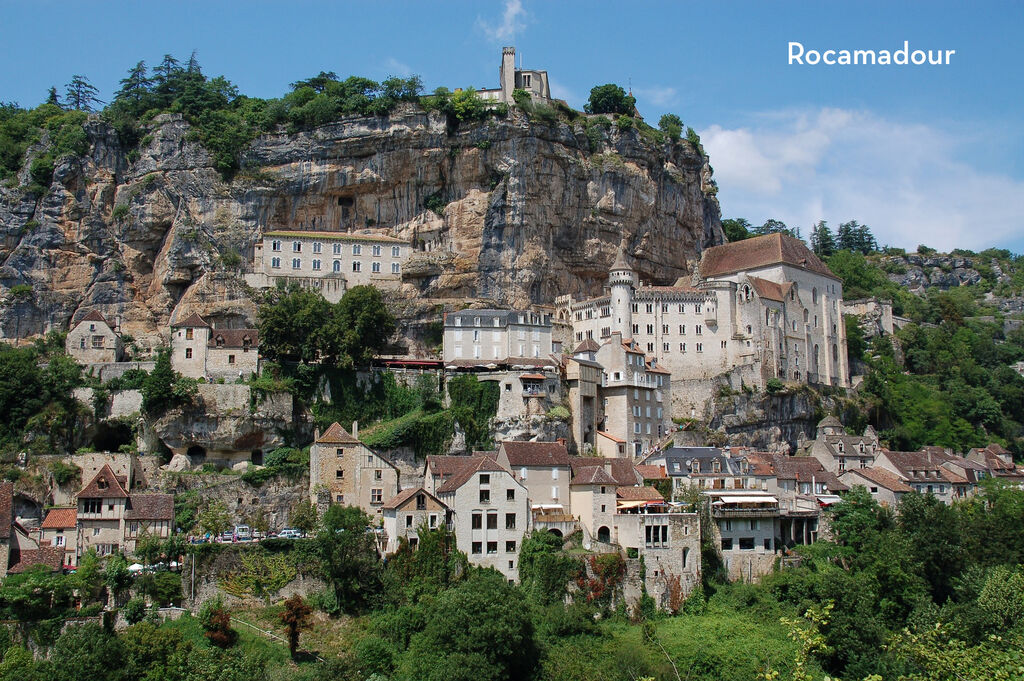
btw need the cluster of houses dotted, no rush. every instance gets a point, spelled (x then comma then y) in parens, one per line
(108, 515)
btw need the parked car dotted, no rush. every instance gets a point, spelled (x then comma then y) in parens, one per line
(290, 533)
(243, 533)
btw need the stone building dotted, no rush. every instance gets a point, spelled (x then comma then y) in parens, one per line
(582, 376)
(330, 262)
(60, 529)
(490, 513)
(408, 512)
(511, 78)
(94, 340)
(111, 518)
(200, 351)
(635, 395)
(342, 470)
(762, 308)
(747, 528)
(884, 486)
(840, 451)
(498, 337)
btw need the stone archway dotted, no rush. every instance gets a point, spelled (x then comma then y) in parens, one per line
(604, 535)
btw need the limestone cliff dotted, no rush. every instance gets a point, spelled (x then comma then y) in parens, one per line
(519, 212)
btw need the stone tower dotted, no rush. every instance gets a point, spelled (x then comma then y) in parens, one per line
(622, 280)
(507, 73)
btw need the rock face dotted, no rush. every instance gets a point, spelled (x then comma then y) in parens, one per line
(519, 212)
(919, 272)
(770, 422)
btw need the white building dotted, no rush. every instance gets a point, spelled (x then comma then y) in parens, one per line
(763, 308)
(511, 78)
(331, 262)
(482, 337)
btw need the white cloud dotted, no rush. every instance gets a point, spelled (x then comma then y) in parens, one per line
(903, 180)
(513, 20)
(656, 95)
(397, 68)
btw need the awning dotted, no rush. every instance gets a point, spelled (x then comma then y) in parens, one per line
(534, 377)
(548, 507)
(630, 504)
(746, 500)
(829, 499)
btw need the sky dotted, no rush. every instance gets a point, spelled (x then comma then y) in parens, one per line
(930, 154)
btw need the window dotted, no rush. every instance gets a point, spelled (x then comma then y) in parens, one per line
(317, 247)
(231, 359)
(698, 329)
(96, 532)
(357, 266)
(527, 77)
(433, 521)
(275, 245)
(296, 263)
(510, 521)
(275, 263)
(396, 251)
(700, 347)
(746, 543)
(188, 353)
(477, 521)
(58, 540)
(492, 521)
(753, 524)
(296, 247)
(376, 250)
(554, 492)
(92, 506)
(726, 544)
(477, 547)
(408, 521)
(316, 265)
(357, 249)
(492, 547)
(336, 249)
(396, 268)
(510, 495)
(485, 478)
(189, 334)
(650, 329)
(510, 547)
(378, 474)
(485, 496)
(656, 536)
(682, 347)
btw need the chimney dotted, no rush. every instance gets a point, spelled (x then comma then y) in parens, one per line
(560, 441)
(355, 429)
(316, 434)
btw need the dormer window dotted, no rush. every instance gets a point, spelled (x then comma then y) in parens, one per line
(694, 467)
(716, 466)
(220, 341)
(102, 483)
(246, 342)
(840, 447)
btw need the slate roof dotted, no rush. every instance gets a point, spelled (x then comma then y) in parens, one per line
(336, 435)
(487, 317)
(115, 488)
(622, 470)
(830, 421)
(480, 464)
(761, 251)
(530, 454)
(638, 494)
(150, 507)
(592, 475)
(62, 518)
(444, 465)
(882, 478)
(234, 338)
(6, 508)
(193, 320)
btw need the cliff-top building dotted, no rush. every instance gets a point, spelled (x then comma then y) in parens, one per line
(763, 308)
(510, 79)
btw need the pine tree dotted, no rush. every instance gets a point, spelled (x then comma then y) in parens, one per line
(135, 86)
(823, 243)
(51, 97)
(81, 95)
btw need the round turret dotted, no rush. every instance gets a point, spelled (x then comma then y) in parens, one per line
(622, 280)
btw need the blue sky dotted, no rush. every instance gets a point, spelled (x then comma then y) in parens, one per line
(929, 154)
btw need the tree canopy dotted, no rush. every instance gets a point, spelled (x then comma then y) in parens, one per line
(610, 99)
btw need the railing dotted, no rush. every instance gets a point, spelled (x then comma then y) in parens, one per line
(745, 512)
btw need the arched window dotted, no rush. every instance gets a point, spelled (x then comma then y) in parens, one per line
(806, 316)
(814, 296)
(767, 315)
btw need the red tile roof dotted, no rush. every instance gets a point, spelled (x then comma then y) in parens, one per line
(50, 556)
(545, 454)
(94, 316)
(335, 435)
(60, 519)
(114, 485)
(588, 345)
(622, 470)
(638, 494)
(610, 436)
(234, 338)
(882, 477)
(770, 289)
(761, 251)
(652, 472)
(480, 464)
(593, 475)
(193, 320)
(406, 495)
(150, 507)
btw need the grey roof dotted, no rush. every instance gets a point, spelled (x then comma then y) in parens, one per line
(504, 317)
(679, 459)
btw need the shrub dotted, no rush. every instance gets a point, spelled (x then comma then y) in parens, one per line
(134, 610)
(216, 622)
(558, 413)
(64, 473)
(624, 123)
(120, 212)
(773, 385)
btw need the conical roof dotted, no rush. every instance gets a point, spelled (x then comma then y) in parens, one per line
(620, 260)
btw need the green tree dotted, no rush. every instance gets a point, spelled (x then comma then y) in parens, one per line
(135, 86)
(291, 324)
(116, 575)
(349, 556)
(609, 99)
(823, 243)
(478, 631)
(466, 105)
(363, 324)
(81, 95)
(295, 618)
(215, 518)
(736, 229)
(544, 569)
(87, 651)
(22, 391)
(672, 126)
(303, 516)
(435, 564)
(158, 388)
(51, 97)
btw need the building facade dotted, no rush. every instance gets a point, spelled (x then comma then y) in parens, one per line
(762, 308)
(497, 336)
(511, 78)
(406, 514)
(342, 470)
(94, 340)
(200, 351)
(330, 262)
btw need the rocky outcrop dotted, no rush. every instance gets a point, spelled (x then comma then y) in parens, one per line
(767, 422)
(917, 272)
(519, 212)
